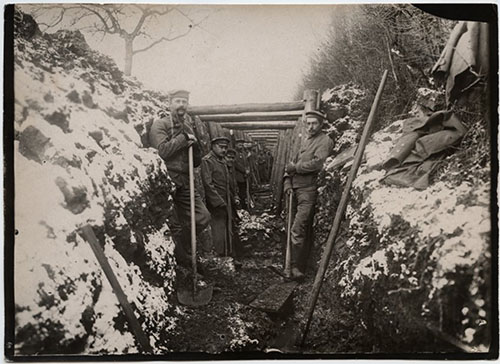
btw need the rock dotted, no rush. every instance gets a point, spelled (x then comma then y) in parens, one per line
(33, 144)
(75, 197)
(88, 101)
(74, 97)
(60, 119)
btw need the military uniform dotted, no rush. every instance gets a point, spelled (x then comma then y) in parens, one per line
(240, 168)
(308, 163)
(216, 181)
(169, 136)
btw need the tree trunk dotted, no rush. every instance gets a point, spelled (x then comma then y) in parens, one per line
(129, 44)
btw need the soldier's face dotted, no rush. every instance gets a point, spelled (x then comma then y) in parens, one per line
(220, 149)
(239, 147)
(179, 105)
(230, 160)
(313, 126)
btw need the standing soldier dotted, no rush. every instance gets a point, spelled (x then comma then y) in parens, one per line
(172, 136)
(216, 181)
(300, 180)
(235, 201)
(261, 160)
(242, 172)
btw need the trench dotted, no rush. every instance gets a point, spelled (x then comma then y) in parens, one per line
(228, 323)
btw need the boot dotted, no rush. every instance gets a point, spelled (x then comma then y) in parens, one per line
(297, 275)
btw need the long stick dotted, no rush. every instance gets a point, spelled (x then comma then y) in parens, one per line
(135, 326)
(193, 217)
(318, 280)
(288, 254)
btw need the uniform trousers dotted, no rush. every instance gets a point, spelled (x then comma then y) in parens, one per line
(180, 222)
(304, 200)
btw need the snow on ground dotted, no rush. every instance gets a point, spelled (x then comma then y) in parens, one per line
(79, 159)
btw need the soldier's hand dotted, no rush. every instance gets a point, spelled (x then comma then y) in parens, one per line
(290, 168)
(191, 139)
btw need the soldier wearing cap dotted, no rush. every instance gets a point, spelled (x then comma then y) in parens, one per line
(300, 180)
(216, 180)
(172, 135)
(242, 172)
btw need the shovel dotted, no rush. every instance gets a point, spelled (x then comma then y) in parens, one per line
(198, 296)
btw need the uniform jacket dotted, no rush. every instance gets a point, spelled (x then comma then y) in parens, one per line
(309, 160)
(240, 167)
(216, 180)
(169, 136)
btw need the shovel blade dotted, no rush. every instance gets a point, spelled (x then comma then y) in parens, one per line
(202, 296)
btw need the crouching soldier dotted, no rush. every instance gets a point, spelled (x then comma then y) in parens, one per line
(216, 180)
(300, 180)
(172, 136)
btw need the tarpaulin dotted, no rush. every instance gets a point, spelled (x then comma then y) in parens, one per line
(465, 58)
(415, 154)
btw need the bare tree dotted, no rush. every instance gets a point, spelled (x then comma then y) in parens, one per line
(134, 23)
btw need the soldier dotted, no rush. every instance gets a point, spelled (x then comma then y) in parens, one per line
(300, 180)
(242, 173)
(261, 160)
(216, 181)
(172, 136)
(235, 201)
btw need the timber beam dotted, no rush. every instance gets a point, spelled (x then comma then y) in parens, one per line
(264, 117)
(241, 108)
(259, 125)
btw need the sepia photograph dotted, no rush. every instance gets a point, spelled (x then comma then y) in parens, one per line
(259, 181)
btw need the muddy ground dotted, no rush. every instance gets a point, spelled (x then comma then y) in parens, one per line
(229, 324)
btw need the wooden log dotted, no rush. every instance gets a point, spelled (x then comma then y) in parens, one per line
(265, 117)
(342, 158)
(241, 108)
(273, 125)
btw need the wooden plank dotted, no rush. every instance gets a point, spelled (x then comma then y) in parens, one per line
(252, 125)
(265, 117)
(275, 298)
(241, 108)
(135, 326)
(343, 158)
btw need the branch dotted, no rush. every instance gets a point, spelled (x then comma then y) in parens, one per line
(169, 39)
(107, 28)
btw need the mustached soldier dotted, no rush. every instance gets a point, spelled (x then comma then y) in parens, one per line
(300, 180)
(172, 136)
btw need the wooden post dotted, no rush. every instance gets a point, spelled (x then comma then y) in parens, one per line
(311, 100)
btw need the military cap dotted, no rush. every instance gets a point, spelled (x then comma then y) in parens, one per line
(178, 93)
(231, 151)
(219, 140)
(317, 114)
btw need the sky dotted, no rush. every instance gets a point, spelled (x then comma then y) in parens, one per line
(240, 54)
